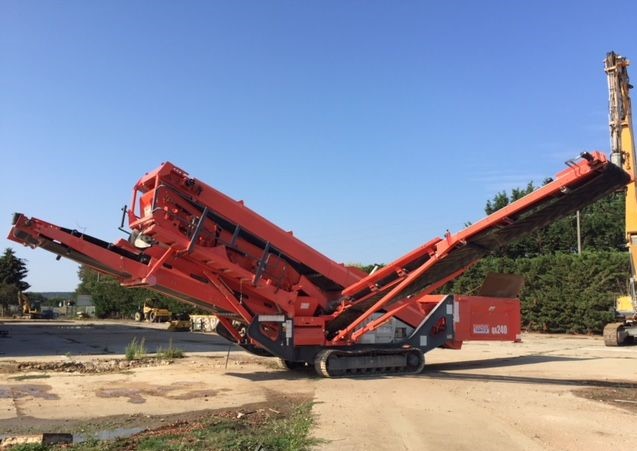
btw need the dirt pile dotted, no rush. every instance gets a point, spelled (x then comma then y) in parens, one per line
(90, 366)
(619, 395)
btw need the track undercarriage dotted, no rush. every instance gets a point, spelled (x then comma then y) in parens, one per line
(618, 334)
(342, 363)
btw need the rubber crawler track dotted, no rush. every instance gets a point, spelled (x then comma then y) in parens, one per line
(414, 358)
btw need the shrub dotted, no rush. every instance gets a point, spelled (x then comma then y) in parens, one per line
(136, 349)
(566, 293)
(170, 353)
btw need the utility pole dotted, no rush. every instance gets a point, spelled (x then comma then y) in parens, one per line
(579, 235)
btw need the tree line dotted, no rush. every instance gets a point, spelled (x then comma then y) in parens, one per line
(114, 301)
(110, 298)
(563, 291)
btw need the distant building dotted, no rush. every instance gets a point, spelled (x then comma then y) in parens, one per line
(84, 304)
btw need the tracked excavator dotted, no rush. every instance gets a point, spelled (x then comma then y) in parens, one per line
(28, 309)
(276, 296)
(624, 330)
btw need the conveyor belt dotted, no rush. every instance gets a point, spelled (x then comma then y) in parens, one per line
(608, 179)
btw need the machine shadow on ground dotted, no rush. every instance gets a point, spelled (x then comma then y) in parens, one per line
(499, 362)
(279, 375)
(435, 370)
(40, 339)
(442, 375)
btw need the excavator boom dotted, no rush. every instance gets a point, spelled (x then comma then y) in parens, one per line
(623, 155)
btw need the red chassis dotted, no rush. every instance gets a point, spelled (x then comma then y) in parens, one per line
(275, 295)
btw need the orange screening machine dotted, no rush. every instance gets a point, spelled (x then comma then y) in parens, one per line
(274, 295)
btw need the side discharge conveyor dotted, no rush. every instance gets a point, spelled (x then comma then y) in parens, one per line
(276, 296)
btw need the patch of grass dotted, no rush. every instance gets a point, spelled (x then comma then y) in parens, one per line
(170, 353)
(156, 443)
(30, 447)
(93, 444)
(30, 376)
(287, 432)
(136, 350)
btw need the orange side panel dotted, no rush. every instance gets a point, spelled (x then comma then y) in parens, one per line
(485, 318)
(309, 336)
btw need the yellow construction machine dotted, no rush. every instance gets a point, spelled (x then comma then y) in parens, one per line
(28, 309)
(152, 311)
(623, 154)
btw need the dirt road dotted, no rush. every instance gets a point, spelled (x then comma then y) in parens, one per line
(538, 395)
(492, 396)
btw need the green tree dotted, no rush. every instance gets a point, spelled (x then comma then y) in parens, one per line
(601, 223)
(8, 295)
(502, 199)
(563, 292)
(367, 268)
(113, 300)
(13, 271)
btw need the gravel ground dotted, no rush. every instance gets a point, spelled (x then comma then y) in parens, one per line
(547, 393)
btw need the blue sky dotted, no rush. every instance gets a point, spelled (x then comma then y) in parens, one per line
(368, 128)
